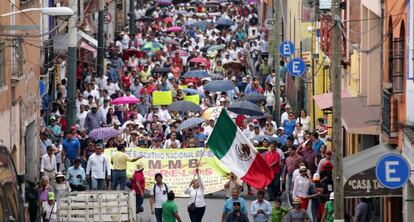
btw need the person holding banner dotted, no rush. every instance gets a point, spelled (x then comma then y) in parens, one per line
(196, 205)
(119, 163)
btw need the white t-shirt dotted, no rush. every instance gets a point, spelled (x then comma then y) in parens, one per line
(51, 211)
(160, 195)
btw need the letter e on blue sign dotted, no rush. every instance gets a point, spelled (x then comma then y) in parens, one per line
(296, 67)
(392, 171)
(286, 49)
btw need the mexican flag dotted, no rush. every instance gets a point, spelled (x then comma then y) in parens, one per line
(235, 151)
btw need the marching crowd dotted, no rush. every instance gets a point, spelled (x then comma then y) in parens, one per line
(171, 41)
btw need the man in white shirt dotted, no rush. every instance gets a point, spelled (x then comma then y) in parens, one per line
(91, 91)
(172, 142)
(209, 127)
(256, 132)
(98, 168)
(285, 115)
(48, 164)
(158, 196)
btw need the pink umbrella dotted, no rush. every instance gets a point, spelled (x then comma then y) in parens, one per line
(199, 60)
(175, 29)
(180, 53)
(125, 100)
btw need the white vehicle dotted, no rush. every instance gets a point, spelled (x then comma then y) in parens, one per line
(97, 206)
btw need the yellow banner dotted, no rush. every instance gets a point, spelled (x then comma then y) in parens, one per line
(183, 86)
(178, 167)
(162, 98)
(193, 98)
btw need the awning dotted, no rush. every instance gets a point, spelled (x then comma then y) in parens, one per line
(324, 101)
(359, 173)
(86, 46)
(60, 42)
(359, 118)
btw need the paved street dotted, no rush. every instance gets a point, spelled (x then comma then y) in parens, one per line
(213, 209)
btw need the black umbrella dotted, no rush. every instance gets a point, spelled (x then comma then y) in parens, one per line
(145, 19)
(253, 97)
(184, 106)
(219, 86)
(245, 108)
(161, 70)
(180, 1)
(150, 11)
(224, 23)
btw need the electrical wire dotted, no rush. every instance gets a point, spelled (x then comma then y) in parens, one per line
(24, 13)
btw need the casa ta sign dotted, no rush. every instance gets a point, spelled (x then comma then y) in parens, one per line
(366, 184)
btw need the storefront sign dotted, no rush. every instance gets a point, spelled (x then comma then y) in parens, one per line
(365, 184)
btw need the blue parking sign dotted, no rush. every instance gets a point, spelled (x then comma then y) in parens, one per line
(392, 171)
(296, 67)
(286, 49)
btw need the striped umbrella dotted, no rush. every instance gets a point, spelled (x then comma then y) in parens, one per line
(104, 133)
(191, 122)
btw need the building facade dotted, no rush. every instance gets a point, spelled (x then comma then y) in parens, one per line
(21, 41)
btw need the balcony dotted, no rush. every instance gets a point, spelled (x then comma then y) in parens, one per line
(389, 115)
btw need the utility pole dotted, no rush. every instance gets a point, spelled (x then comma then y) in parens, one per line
(101, 49)
(277, 33)
(72, 60)
(336, 111)
(132, 26)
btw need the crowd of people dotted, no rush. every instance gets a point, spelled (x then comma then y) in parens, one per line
(228, 46)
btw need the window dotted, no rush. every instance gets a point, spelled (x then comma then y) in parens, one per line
(2, 64)
(398, 62)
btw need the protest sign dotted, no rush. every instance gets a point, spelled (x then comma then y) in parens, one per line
(193, 98)
(161, 98)
(178, 167)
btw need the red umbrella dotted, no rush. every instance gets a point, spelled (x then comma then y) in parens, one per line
(199, 60)
(168, 20)
(175, 29)
(125, 100)
(128, 53)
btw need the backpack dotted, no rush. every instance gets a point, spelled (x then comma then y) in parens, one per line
(153, 189)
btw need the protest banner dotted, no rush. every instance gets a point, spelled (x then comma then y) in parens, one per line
(183, 86)
(178, 167)
(162, 98)
(193, 98)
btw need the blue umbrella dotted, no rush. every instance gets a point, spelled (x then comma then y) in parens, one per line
(191, 122)
(202, 24)
(219, 86)
(196, 74)
(244, 107)
(253, 97)
(184, 106)
(216, 76)
(223, 22)
(193, 92)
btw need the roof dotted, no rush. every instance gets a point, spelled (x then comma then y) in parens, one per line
(359, 118)
(324, 101)
(365, 160)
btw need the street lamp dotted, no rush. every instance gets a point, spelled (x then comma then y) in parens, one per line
(52, 11)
